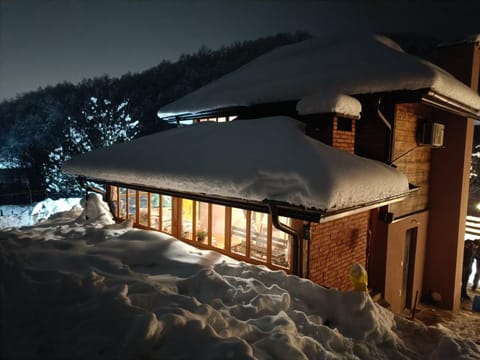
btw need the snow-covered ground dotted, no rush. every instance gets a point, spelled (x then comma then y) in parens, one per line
(77, 288)
(27, 215)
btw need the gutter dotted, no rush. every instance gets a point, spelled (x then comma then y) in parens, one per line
(333, 215)
(445, 103)
(390, 130)
(297, 245)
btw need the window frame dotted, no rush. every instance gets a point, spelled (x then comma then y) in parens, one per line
(176, 225)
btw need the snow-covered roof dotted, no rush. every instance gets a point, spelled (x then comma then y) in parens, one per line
(350, 65)
(255, 160)
(323, 103)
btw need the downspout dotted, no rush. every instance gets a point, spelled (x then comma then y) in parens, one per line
(297, 253)
(389, 126)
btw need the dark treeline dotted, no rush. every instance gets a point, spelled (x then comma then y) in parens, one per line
(34, 123)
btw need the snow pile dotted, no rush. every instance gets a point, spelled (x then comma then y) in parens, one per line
(320, 103)
(277, 162)
(27, 215)
(113, 292)
(349, 64)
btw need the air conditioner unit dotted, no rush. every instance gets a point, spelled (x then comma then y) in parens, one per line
(430, 133)
(438, 131)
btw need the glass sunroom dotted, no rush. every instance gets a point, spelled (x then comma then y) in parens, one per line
(242, 234)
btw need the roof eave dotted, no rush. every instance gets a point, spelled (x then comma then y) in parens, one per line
(175, 118)
(335, 214)
(284, 209)
(451, 105)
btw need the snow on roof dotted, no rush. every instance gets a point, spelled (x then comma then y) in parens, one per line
(353, 64)
(320, 103)
(261, 159)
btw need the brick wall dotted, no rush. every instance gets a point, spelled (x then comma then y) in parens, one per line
(335, 246)
(413, 160)
(343, 139)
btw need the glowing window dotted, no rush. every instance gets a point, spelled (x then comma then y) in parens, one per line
(187, 219)
(218, 226)
(132, 204)
(166, 213)
(202, 217)
(281, 245)
(143, 208)
(155, 211)
(239, 231)
(258, 235)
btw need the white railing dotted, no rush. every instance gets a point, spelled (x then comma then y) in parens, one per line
(472, 227)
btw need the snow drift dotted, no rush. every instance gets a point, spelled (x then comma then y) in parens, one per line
(91, 289)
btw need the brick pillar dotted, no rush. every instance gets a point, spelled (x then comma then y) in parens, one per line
(333, 130)
(343, 135)
(449, 185)
(336, 245)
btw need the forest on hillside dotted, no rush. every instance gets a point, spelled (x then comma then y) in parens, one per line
(42, 126)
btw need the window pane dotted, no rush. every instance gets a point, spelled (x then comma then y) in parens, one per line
(239, 231)
(132, 204)
(123, 203)
(218, 226)
(202, 222)
(281, 245)
(143, 208)
(258, 235)
(155, 211)
(114, 199)
(187, 219)
(166, 202)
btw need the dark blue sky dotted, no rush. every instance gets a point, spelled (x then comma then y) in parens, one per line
(43, 42)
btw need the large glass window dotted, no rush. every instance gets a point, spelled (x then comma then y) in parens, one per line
(218, 226)
(187, 219)
(258, 235)
(281, 243)
(239, 231)
(233, 231)
(144, 208)
(132, 204)
(202, 220)
(155, 211)
(166, 213)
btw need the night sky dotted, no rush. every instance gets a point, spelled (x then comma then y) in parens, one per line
(43, 42)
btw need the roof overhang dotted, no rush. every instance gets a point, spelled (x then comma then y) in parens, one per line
(181, 117)
(283, 209)
(425, 95)
(445, 103)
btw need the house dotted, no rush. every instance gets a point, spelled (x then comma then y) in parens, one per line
(316, 156)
